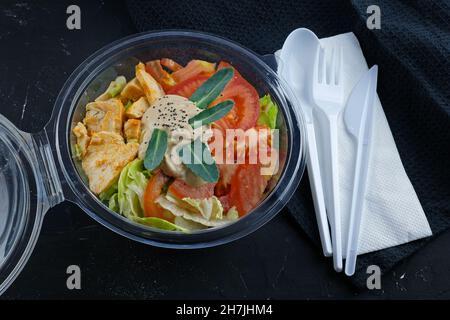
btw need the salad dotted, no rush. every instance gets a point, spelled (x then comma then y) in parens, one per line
(179, 148)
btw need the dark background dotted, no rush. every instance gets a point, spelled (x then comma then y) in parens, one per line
(278, 261)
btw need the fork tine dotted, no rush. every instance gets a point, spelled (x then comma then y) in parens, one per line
(316, 66)
(340, 66)
(323, 66)
(333, 66)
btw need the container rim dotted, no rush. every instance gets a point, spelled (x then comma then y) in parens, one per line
(76, 191)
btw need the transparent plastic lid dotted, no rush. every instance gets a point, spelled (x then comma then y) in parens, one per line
(23, 197)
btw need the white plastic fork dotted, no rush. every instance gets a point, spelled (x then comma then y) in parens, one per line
(328, 93)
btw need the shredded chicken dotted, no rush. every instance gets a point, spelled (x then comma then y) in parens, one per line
(83, 139)
(152, 89)
(132, 91)
(132, 129)
(104, 116)
(137, 109)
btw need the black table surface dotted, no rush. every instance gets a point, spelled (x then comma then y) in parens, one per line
(37, 55)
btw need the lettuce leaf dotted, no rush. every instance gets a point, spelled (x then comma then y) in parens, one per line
(233, 214)
(77, 151)
(108, 193)
(209, 208)
(131, 187)
(159, 223)
(114, 88)
(207, 212)
(188, 224)
(113, 203)
(268, 113)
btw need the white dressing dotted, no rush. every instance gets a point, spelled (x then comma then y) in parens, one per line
(171, 113)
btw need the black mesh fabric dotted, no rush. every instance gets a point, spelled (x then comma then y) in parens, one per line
(412, 49)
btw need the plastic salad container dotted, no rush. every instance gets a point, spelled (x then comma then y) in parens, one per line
(38, 171)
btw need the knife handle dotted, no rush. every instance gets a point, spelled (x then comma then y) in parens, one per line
(359, 189)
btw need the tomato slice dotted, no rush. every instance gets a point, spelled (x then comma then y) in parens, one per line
(258, 143)
(247, 188)
(194, 68)
(180, 189)
(171, 64)
(152, 192)
(227, 171)
(225, 201)
(155, 69)
(188, 87)
(245, 112)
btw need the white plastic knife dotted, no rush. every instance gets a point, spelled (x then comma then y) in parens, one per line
(358, 119)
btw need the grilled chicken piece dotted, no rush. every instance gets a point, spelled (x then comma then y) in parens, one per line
(132, 129)
(152, 89)
(104, 116)
(137, 109)
(106, 156)
(83, 139)
(132, 91)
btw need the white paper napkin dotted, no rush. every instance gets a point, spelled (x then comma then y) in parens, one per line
(392, 212)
